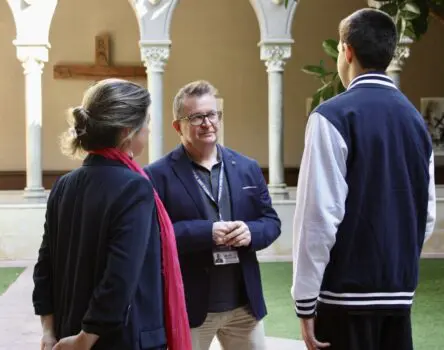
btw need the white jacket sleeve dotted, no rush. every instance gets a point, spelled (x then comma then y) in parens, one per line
(431, 208)
(320, 207)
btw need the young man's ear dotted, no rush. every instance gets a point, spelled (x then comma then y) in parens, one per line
(348, 53)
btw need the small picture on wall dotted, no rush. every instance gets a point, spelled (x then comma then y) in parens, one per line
(432, 109)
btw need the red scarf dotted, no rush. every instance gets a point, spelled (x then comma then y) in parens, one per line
(176, 318)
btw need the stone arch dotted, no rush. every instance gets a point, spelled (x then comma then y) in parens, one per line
(72, 39)
(221, 46)
(275, 23)
(154, 18)
(275, 20)
(33, 21)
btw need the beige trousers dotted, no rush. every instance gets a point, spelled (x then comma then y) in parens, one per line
(236, 330)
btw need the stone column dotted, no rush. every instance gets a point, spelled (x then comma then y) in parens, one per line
(33, 58)
(155, 58)
(401, 54)
(32, 20)
(274, 56)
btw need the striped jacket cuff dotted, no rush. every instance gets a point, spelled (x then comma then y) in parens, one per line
(305, 308)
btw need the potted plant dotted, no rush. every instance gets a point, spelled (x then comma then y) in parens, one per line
(411, 18)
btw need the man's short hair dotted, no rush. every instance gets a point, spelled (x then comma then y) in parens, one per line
(196, 88)
(372, 35)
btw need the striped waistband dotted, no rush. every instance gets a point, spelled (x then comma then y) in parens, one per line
(367, 299)
(307, 307)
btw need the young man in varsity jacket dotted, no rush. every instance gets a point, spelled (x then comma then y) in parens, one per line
(365, 201)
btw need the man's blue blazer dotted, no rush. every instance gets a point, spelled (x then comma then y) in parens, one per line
(173, 178)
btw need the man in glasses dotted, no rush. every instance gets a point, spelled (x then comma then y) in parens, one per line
(219, 204)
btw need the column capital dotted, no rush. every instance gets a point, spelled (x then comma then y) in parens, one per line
(27, 51)
(402, 52)
(32, 57)
(275, 55)
(155, 56)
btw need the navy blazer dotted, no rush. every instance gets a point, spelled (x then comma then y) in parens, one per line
(173, 178)
(99, 264)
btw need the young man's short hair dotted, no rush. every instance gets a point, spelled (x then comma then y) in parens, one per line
(372, 35)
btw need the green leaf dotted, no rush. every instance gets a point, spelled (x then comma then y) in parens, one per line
(408, 15)
(409, 32)
(420, 24)
(328, 91)
(410, 11)
(330, 47)
(314, 70)
(391, 9)
(316, 98)
(411, 7)
(400, 26)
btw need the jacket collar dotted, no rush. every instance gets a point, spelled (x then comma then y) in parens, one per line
(373, 78)
(184, 172)
(96, 159)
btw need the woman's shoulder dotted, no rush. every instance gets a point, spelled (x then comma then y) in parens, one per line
(112, 182)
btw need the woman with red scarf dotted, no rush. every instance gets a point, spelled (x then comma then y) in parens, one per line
(107, 275)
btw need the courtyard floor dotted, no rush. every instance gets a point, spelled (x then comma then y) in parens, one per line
(20, 329)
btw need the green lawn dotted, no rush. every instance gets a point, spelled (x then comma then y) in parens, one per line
(428, 315)
(7, 276)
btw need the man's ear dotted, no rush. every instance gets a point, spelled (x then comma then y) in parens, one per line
(177, 126)
(348, 53)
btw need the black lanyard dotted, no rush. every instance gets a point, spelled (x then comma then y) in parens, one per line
(208, 193)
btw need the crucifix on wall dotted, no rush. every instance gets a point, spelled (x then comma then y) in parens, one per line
(102, 68)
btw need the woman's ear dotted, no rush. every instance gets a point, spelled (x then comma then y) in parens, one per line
(125, 133)
(124, 140)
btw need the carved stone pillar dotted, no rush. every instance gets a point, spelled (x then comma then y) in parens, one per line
(155, 58)
(154, 18)
(401, 54)
(32, 20)
(32, 59)
(275, 23)
(275, 56)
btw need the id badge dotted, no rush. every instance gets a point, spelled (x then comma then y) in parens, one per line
(225, 256)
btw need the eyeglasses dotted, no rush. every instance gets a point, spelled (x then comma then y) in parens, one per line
(198, 119)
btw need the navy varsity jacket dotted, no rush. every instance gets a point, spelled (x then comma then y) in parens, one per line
(365, 200)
